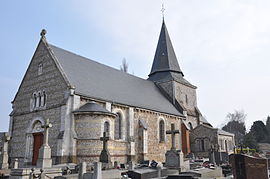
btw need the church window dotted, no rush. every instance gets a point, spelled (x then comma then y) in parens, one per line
(39, 99)
(40, 68)
(221, 144)
(35, 100)
(186, 99)
(107, 128)
(202, 145)
(118, 126)
(44, 96)
(190, 125)
(161, 131)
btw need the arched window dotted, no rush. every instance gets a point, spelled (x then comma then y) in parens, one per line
(40, 68)
(226, 146)
(190, 126)
(186, 99)
(161, 131)
(44, 98)
(202, 145)
(118, 126)
(107, 128)
(35, 100)
(39, 99)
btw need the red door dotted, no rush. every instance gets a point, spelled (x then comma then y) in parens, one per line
(38, 141)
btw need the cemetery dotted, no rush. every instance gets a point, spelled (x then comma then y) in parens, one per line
(76, 118)
(218, 165)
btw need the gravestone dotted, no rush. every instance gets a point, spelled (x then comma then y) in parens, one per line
(104, 157)
(44, 155)
(173, 157)
(4, 158)
(97, 171)
(82, 170)
(247, 167)
(146, 173)
(130, 166)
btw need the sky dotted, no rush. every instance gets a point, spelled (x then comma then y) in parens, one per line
(222, 46)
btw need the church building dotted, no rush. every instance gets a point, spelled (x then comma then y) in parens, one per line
(83, 98)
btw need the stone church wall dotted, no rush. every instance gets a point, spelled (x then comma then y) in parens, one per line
(230, 143)
(50, 81)
(156, 149)
(22, 128)
(186, 96)
(208, 134)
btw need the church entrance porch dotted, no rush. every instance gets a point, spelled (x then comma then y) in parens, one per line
(38, 141)
(33, 142)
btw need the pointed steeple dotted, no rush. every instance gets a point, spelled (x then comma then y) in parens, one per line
(165, 65)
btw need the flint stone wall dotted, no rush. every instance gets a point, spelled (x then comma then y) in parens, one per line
(55, 87)
(185, 95)
(156, 149)
(202, 132)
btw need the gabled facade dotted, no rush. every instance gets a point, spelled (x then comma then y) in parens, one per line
(205, 138)
(83, 98)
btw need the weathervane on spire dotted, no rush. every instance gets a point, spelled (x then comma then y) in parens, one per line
(162, 10)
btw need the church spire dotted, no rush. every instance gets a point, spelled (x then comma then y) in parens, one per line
(165, 65)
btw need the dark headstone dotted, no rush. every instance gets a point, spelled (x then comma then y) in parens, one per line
(104, 156)
(122, 166)
(144, 163)
(146, 173)
(218, 157)
(185, 175)
(172, 158)
(248, 167)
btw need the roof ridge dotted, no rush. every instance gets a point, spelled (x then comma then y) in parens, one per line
(88, 59)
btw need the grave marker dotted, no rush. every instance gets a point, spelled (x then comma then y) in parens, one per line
(44, 156)
(248, 167)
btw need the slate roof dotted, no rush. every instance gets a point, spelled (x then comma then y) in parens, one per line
(99, 81)
(220, 131)
(92, 107)
(165, 58)
(204, 121)
(165, 66)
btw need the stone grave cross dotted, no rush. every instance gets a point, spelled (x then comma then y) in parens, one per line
(46, 127)
(172, 132)
(105, 139)
(4, 159)
(44, 155)
(105, 156)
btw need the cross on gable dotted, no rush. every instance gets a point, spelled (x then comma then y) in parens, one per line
(173, 132)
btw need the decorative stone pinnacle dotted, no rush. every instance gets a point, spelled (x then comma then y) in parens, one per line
(43, 33)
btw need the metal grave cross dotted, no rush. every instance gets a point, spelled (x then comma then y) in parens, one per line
(173, 132)
(46, 127)
(105, 139)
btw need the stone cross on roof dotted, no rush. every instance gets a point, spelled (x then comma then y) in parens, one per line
(43, 33)
(46, 127)
(173, 132)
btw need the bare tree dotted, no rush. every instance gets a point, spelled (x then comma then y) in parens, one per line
(124, 66)
(236, 125)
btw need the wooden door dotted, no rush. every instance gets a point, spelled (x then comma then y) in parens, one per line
(185, 139)
(38, 141)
